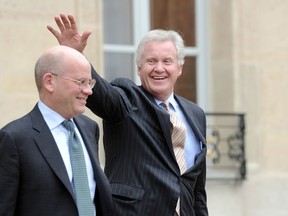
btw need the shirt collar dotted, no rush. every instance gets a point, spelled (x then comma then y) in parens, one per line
(170, 99)
(52, 118)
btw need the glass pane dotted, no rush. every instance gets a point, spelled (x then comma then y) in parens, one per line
(118, 16)
(186, 83)
(180, 16)
(119, 65)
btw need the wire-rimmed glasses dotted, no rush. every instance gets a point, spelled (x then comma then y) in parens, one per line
(81, 83)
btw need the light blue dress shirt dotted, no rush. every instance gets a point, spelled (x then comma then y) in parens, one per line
(192, 145)
(61, 136)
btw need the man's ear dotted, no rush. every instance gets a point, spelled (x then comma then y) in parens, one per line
(180, 70)
(48, 82)
(138, 70)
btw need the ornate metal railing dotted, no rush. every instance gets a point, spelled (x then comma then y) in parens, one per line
(226, 146)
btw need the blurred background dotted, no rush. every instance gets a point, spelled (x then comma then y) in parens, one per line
(236, 69)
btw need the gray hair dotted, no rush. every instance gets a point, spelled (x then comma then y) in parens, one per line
(162, 35)
(46, 63)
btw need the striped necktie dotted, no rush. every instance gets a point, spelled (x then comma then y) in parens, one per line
(80, 179)
(178, 137)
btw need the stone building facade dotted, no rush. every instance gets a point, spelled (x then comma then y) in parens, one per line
(248, 64)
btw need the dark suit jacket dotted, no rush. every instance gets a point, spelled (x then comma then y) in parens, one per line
(140, 163)
(33, 177)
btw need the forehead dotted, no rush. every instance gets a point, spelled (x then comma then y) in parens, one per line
(77, 68)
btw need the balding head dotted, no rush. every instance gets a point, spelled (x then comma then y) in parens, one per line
(55, 60)
(60, 72)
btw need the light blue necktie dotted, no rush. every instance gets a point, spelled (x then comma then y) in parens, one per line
(80, 179)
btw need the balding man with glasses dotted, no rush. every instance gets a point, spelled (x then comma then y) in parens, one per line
(49, 158)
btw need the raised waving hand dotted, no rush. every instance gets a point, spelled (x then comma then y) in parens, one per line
(69, 35)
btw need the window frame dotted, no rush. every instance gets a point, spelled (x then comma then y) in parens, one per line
(141, 24)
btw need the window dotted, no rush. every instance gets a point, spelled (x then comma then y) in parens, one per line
(126, 21)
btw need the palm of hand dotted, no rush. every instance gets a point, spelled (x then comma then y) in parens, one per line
(72, 39)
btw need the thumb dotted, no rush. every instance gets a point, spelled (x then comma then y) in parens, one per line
(85, 36)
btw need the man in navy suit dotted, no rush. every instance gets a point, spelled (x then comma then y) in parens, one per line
(35, 168)
(140, 162)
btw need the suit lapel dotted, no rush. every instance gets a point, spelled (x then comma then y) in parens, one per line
(163, 118)
(164, 121)
(190, 116)
(48, 148)
(88, 139)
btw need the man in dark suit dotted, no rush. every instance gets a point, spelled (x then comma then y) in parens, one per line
(140, 162)
(36, 177)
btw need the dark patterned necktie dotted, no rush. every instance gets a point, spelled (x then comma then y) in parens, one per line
(80, 179)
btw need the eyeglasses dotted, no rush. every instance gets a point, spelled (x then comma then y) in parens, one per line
(81, 83)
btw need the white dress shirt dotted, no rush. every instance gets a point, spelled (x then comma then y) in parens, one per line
(61, 136)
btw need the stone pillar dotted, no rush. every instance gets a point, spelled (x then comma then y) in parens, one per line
(24, 37)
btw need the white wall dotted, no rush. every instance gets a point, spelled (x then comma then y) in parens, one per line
(249, 68)
(24, 37)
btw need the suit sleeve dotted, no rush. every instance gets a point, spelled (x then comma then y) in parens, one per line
(9, 174)
(200, 191)
(109, 100)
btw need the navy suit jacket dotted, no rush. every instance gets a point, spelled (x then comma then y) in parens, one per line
(140, 162)
(33, 177)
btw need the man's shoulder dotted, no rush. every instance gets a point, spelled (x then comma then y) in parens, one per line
(20, 127)
(187, 102)
(84, 119)
(124, 84)
(122, 81)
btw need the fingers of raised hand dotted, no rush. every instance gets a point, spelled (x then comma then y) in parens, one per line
(59, 23)
(65, 21)
(72, 23)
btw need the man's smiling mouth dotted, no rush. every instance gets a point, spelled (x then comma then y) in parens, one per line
(159, 77)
